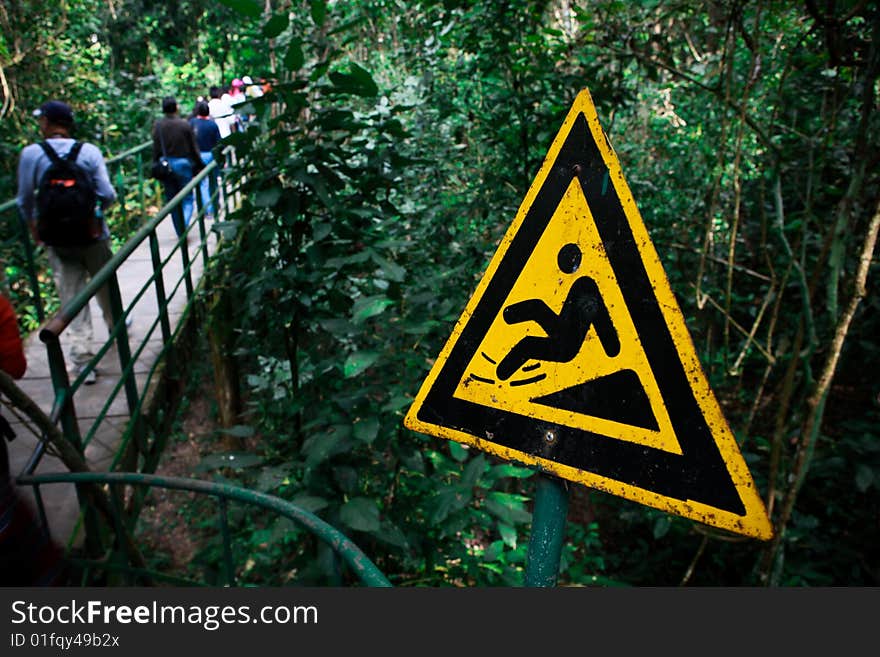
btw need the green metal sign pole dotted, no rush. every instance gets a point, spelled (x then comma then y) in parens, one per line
(548, 531)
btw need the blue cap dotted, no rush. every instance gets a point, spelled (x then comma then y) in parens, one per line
(56, 111)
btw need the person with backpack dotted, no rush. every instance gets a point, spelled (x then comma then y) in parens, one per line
(207, 138)
(63, 192)
(174, 139)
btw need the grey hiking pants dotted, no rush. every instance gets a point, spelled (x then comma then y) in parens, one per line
(72, 268)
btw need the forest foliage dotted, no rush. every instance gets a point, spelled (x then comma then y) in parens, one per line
(386, 163)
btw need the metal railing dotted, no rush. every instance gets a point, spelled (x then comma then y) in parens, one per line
(134, 459)
(176, 288)
(350, 554)
(132, 447)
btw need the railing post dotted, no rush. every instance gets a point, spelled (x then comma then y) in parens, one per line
(123, 350)
(184, 258)
(32, 269)
(120, 192)
(70, 429)
(213, 188)
(227, 542)
(203, 246)
(142, 197)
(159, 282)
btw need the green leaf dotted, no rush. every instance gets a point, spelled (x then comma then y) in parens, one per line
(309, 503)
(507, 507)
(507, 470)
(864, 478)
(458, 451)
(263, 537)
(266, 198)
(508, 535)
(284, 529)
(513, 500)
(391, 534)
(322, 446)
(366, 430)
(358, 362)
(320, 231)
(357, 81)
(247, 7)
(494, 551)
(319, 11)
(474, 471)
(661, 527)
(367, 307)
(361, 513)
(226, 229)
(340, 328)
(271, 478)
(391, 270)
(276, 25)
(346, 477)
(449, 500)
(397, 402)
(294, 58)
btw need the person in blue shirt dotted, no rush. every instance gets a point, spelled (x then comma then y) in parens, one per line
(207, 137)
(72, 266)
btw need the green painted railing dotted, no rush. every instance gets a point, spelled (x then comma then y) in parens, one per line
(165, 291)
(167, 287)
(359, 563)
(134, 458)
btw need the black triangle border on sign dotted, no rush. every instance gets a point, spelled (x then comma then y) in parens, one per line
(699, 473)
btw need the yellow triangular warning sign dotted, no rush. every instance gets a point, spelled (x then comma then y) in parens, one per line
(573, 356)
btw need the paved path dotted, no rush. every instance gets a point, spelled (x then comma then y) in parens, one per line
(60, 500)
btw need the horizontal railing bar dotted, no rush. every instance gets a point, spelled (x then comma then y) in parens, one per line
(129, 152)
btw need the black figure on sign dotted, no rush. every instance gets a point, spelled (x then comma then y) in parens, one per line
(566, 331)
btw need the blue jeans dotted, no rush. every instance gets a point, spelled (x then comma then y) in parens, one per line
(183, 173)
(205, 185)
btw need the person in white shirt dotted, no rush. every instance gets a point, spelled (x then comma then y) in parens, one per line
(221, 111)
(236, 92)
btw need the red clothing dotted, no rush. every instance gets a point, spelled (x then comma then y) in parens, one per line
(28, 557)
(12, 359)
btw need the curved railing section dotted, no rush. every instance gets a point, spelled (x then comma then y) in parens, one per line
(351, 555)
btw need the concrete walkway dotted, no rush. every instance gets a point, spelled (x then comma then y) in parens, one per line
(62, 507)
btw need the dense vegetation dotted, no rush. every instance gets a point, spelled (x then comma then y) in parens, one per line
(386, 163)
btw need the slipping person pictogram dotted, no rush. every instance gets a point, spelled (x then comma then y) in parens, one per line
(566, 332)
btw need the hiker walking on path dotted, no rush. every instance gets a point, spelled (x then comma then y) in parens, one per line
(221, 111)
(63, 191)
(174, 139)
(207, 138)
